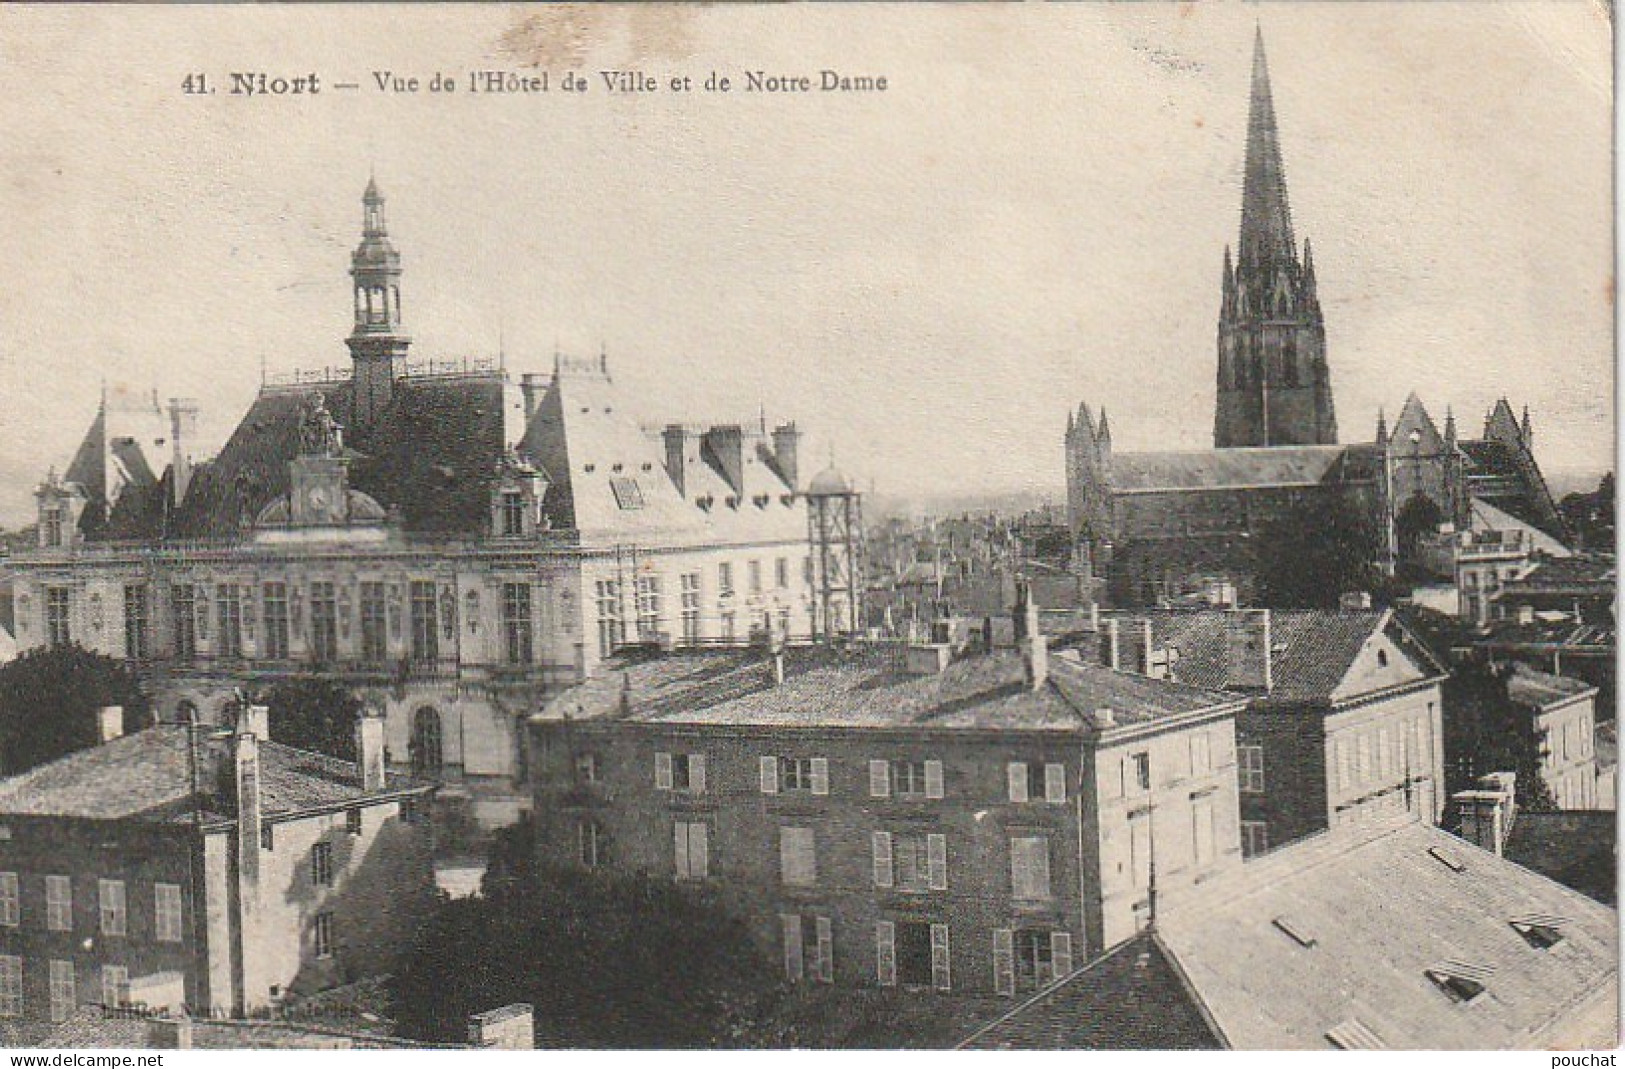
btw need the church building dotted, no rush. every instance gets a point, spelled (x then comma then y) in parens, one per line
(1160, 525)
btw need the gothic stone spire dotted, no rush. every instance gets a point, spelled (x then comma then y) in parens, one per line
(1266, 218)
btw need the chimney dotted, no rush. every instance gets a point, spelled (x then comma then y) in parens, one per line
(1113, 655)
(1105, 718)
(1485, 815)
(726, 445)
(1094, 617)
(1354, 601)
(245, 759)
(532, 386)
(110, 722)
(509, 1028)
(786, 452)
(369, 751)
(169, 1033)
(183, 414)
(676, 438)
(1247, 650)
(1145, 647)
(778, 668)
(1036, 645)
(254, 720)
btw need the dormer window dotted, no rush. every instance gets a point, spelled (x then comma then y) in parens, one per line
(1539, 931)
(513, 513)
(1461, 980)
(52, 521)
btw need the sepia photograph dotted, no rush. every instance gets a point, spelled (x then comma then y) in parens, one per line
(920, 527)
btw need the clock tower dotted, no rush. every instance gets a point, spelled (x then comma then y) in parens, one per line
(377, 343)
(319, 484)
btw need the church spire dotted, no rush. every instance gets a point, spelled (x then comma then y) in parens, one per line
(1266, 219)
(378, 343)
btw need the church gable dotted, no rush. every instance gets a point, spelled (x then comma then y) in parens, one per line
(1414, 431)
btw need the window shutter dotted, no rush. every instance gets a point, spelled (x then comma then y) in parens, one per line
(936, 849)
(826, 950)
(820, 775)
(1016, 773)
(662, 771)
(770, 775)
(933, 779)
(699, 853)
(879, 779)
(1040, 867)
(886, 953)
(696, 773)
(883, 866)
(1054, 783)
(1060, 953)
(792, 945)
(1202, 818)
(1020, 870)
(680, 848)
(1004, 961)
(941, 970)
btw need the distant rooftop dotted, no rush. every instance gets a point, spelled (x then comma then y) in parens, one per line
(1526, 686)
(869, 688)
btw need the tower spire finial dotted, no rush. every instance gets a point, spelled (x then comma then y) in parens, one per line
(1266, 218)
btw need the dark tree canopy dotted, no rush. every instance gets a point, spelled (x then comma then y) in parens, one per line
(313, 713)
(613, 960)
(1591, 516)
(1314, 553)
(1486, 731)
(48, 703)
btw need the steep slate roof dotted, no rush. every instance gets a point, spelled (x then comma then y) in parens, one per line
(1223, 469)
(869, 689)
(148, 776)
(1380, 909)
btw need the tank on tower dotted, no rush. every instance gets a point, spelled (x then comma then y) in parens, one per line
(835, 534)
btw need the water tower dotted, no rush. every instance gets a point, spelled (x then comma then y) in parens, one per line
(835, 533)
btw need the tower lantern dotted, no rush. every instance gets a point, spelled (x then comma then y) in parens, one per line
(835, 535)
(377, 343)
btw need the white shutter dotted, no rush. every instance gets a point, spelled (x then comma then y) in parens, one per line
(933, 779)
(1201, 754)
(886, 953)
(1016, 773)
(941, 970)
(792, 945)
(1004, 961)
(1020, 870)
(820, 775)
(1054, 783)
(1040, 868)
(1060, 953)
(1202, 816)
(699, 852)
(879, 779)
(936, 850)
(680, 848)
(770, 775)
(826, 950)
(662, 771)
(696, 773)
(883, 866)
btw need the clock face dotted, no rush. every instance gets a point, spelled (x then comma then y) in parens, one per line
(319, 498)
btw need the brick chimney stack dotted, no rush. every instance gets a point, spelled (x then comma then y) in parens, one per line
(110, 722)
(369, 751)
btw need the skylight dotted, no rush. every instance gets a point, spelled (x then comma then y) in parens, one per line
(1294, 931)
(1463, 981)
(1353, 1034)
(1448, 859)
(1540, 931)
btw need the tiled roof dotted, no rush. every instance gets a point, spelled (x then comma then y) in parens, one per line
(93, 1028)
(870, 689)
(1582, 575)
(1312, 651)
(1378, 909)
(148, 776)
(1526, 686)
(1130, 998)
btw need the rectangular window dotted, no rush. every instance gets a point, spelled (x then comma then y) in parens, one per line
(809, 948)
(135, 621)
(921, 955)
(1031, 782)
(63, 994)
(228, 605)
(691, 607)
(321, 864)
(324, 631)
(516, 623)
(610, 632)
(590, 842)
(115, 986)
(53, 528)
(911, 862)
(374, 639)
(353, 821)
(1385, 754)
(648, 590)
(513, 514)
(693, 849)
(1029, 868)
(1139, 844)
(425, 623)
(1202, 831)
(10, 900)
(184, 604)
(1362, 760)
(1341, 750)
(1029, 959)
(725, 579)
(58, 607)
(886, 953)
(322, 933)
(1255, 837)
(11, 985)
(1140, 772)
(781, 573)
(1250, 769)
(916, 779)
(729, 630)
(795, 775)
(58, 904)
(274, 602)
(680, 772)
(798, 857)
(1201, 754)
(754, 569)
(114, 915)
(167, 912)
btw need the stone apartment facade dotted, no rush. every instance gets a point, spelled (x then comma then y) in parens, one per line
(1564, 716)
(1343, 718)
(922, 817)
(453, 544)
(178, 869)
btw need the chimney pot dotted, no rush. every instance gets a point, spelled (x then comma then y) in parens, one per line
(110, 722)
(369, 751)
(255, 720)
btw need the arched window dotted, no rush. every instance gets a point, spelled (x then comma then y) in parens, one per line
(425, 746)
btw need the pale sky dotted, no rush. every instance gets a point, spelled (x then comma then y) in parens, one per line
(1033, 214)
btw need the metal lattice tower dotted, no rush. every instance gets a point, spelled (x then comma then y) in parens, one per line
(835, 534)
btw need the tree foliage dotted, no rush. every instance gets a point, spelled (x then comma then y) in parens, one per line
(1591, 516)
(1486, 731)
(313, 713)
(48, 703)
(1313, 553)
(607, 959)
